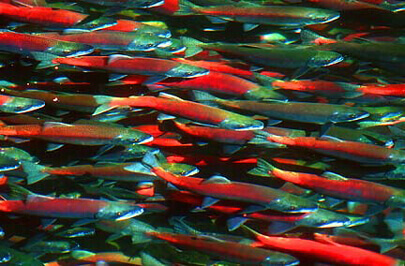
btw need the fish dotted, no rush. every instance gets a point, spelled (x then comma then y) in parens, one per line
(68, 101)
(79, 134)
(218, 187)
(40, 47)
(287, 16)
(279, 222)
(159, 69)
(125, 25)
(127, 3)
(54, 18)
(374, 51)
(349, 150)
(213, 82)
(302, 58)
(175, 106)
(111, 171)
(316, 113)
(341, 254)
(113, 257)
(39, 205)
(19, 105)
(334, 185)
(113, 40)
(231, 251)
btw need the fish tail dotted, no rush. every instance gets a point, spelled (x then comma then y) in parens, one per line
(205, 98)
(151, 160)
(192, 45)
(262, 169)
(250, 231)
(310, 37)
(46, 59)
(181, 227)
(19, 192)
(147, 259)
(265, 80)
(35, 172)
(186, 8)
(261, 138)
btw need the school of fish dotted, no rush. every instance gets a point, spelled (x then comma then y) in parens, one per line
(202, 132)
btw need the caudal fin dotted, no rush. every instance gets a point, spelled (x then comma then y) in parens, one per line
(192, 45)
(262, 169)
(35, 172)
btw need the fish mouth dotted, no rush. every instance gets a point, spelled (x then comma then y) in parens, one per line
(335, 61)
(360, 221)
(165, 44)
(199, 74)
(333, 224)
(365, 115)
(192, 172)
(156, 4)
(148, 139)
(81, 52)
(303, 210)
(29, 109)
(252, 127)
(136, 212)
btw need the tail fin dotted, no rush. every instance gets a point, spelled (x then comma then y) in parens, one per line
(35, 172)
(192, 45)
(250, 231)
(150, 160)
(186, 8)
(149, 260)
(46, 59)
(265, 80)
(19, 192)
(181, 227)
(262, 169)
(260, 138)
(310, 37)
(205, 98)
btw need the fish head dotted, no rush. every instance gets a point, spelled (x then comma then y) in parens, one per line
(180, 169)
(20, 105)
(397, 200)
(187, 71)
(69, 49)
(278, 258)
(348, 116)
(324, 58)
(131, 136)
(319, 15)
(356, 220)
(144, 3)
(176, 46)
(289, 203)
(158, 31)
(138, 151)
(324, 219)
(95, 24)
(118, 211)
(147, 42)
(262, 93)
(241, 123)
